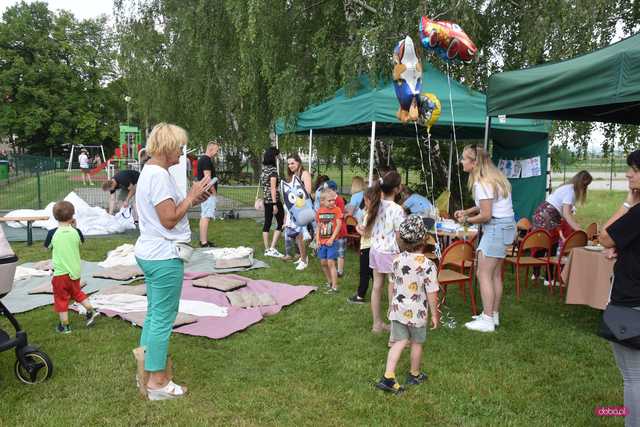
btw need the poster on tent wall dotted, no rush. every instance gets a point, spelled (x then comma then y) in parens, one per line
(179, 173)
(527, 193)
(522, 168)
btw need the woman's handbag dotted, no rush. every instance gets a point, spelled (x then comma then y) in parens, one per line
(621, 325)
(259, 203)
(185, 250)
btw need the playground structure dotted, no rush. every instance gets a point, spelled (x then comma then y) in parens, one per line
(75, 150)
(127, 154)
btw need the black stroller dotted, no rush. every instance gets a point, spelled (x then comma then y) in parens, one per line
(32, 365)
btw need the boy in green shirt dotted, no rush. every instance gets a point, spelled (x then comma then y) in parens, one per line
(65, 244)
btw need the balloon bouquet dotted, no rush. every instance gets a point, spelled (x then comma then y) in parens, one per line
(407, 75)
(449, 42)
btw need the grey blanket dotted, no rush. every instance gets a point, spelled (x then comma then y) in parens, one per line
(19, 300)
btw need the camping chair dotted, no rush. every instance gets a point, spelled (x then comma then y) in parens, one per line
(456, 254)
(592, 232)
(352, 236)
(575, 240)
(535, 242)
(523, 226)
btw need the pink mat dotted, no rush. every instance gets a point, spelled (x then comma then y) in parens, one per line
(237, 318)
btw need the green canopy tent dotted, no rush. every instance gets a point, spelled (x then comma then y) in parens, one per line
(372, 110)
(601, 86)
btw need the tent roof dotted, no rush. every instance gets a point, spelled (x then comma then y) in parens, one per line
(345, 114)
(602, 86)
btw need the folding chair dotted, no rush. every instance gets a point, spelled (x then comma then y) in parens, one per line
(353, 237)
(523, 226)
(456, 254)
(575, 240)
(592, 231)
(536, 241)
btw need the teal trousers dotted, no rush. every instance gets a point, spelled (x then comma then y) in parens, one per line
(164, 286)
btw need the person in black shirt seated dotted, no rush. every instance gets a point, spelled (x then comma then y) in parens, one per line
(208, 207)
(125, 181)
(621, 235)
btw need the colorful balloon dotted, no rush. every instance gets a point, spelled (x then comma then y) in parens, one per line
(447, 39)
(407, 76)
(429, 111)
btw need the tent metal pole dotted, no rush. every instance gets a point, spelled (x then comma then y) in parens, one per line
(71, 158)
(310, 147)
(487, 128)
(549, 182)
(450, 165)
(371, 151)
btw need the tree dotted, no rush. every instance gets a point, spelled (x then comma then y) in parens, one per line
(55, 74)
(233, 67)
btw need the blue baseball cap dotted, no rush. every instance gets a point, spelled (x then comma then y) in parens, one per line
(331, 184)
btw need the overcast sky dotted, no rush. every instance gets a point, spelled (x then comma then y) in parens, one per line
(82, 9)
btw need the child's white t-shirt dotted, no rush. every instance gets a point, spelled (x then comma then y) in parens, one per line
(502, 207)
(83, 159)
(412, 278)
(156, 242)
(387, 223)
(564, 195)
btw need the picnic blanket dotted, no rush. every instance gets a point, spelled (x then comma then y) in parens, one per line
(237, 319)
(19, 300)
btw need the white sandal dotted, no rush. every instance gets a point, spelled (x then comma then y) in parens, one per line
(170, 391)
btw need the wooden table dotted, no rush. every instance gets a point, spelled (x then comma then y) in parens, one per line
(587, 275)
(29, 219)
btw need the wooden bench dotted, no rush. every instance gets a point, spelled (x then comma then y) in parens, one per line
(29, 219)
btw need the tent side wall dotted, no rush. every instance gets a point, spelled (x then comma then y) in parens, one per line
(527, 193)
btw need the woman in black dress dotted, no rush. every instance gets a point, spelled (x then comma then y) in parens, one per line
(621, 235)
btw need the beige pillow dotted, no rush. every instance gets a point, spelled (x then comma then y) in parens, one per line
(219, 283)
(125, 289)
(137, 318)
(233, 263)
(120, 272)
(47, 288)
(246, 299)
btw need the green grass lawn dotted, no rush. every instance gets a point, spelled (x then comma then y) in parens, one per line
(314, 363)
(601, 204)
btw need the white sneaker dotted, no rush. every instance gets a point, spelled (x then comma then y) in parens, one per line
(546, 282)
(483, 324)
(170, 391)
(496, 318)
(276, 253)
(267, 252)
(301, 265)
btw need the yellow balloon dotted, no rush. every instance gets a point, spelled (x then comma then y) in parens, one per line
(435, 113)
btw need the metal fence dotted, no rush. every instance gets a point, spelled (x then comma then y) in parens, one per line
(34, 182)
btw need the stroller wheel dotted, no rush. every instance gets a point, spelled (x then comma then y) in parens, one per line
(39, 368)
